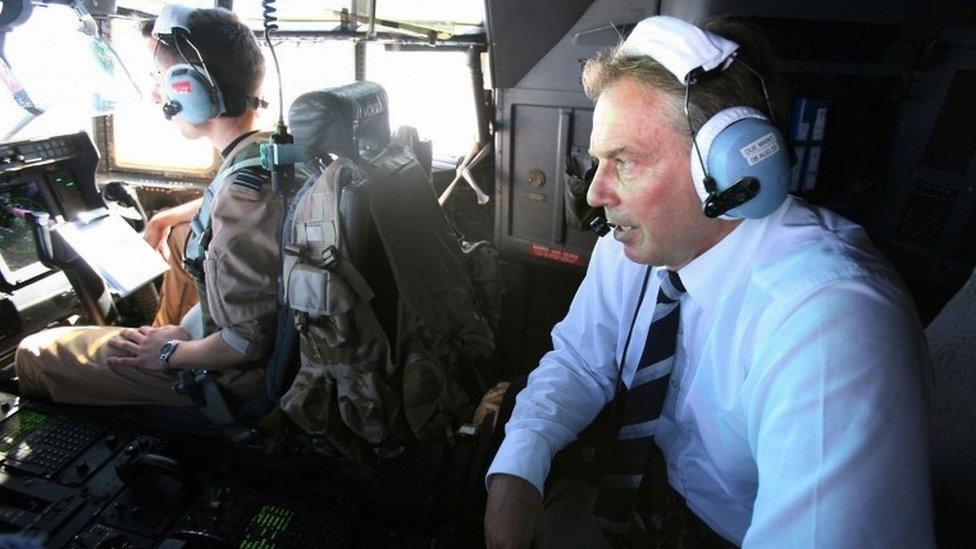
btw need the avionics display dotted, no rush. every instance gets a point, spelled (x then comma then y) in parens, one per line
(18, 257)
(68, 192)
(18, 427)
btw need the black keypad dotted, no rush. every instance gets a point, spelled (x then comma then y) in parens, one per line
(53, 445)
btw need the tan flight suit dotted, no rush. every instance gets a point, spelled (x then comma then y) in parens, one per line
(178, 293)
(242, 261)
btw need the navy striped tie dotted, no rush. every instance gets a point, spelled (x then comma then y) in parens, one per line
(624, 470)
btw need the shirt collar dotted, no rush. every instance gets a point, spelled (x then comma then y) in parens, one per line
(230, 148)
(721, 268)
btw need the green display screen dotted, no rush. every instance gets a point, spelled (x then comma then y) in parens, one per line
(69, 193)
(266, 527)
(18, 427)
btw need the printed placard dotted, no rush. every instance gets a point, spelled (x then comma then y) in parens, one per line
(760, 149)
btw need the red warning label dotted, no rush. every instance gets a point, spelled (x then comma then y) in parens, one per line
(557, 255)
(182, 86)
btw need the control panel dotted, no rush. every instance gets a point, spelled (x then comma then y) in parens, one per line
(32, 152)
(78, 481)
(52, 178)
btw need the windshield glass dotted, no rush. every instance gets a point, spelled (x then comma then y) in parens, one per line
(66, 73)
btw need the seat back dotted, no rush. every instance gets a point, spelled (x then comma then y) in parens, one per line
(400, 267)
(953, 442)
(350, 121)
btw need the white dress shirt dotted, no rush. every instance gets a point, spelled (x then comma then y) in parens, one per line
(796, 413)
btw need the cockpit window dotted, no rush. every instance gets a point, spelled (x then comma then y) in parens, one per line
(418, 53)
(144, 140)
(153, 6)
(448, 15)
(58, 68)
(306, 65)
(429, 90)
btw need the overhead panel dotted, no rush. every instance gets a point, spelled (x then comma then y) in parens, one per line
(886, 11)
(599, 28)
(523, 32)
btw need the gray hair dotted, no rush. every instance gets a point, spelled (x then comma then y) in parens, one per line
(734, 86)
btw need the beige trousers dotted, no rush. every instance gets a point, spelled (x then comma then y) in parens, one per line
(69, 365)
(178, 293)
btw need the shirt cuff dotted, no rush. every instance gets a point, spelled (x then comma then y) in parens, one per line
(525, 454)
(192, 322)
(236, 342)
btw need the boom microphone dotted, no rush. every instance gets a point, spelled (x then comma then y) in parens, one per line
(601, 226)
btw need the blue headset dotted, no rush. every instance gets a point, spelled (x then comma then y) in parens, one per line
(739, 160)
(190, 91)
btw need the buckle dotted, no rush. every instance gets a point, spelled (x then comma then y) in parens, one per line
(330, 258)
(194, 268)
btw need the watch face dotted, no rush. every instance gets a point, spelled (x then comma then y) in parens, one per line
(166, 349)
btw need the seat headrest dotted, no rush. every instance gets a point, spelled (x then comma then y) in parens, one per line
(351, 121)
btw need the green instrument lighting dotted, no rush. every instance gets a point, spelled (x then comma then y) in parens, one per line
(266, 526)
(18, 427)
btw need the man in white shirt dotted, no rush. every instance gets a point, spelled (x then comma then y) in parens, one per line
(794, 414)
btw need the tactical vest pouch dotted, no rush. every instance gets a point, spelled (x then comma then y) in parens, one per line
(342, 392)
(376, 374)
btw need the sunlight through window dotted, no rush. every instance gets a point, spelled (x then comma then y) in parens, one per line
(430, 91)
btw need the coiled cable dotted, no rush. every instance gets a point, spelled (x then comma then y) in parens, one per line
(270, 26)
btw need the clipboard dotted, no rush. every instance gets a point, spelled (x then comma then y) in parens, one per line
(115, 251)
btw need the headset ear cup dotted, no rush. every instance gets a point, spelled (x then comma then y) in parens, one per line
(188, 87)
(752, 148)
(738, 143)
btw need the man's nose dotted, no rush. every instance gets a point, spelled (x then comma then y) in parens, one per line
(601, 191)
(156, 96)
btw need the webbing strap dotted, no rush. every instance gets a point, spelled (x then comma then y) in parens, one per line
(196, 246)
(356, 280)
(200, 386)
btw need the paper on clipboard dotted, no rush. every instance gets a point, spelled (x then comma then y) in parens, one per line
(115, 251)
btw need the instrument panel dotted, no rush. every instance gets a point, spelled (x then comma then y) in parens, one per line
(86, 482)
(18, 254)
(49, 179)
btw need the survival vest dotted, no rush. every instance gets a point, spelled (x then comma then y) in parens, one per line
(394, 341)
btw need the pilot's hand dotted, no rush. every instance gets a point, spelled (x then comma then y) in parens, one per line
(140, 347)
(514, 516)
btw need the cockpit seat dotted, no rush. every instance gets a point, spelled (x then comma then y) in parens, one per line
(953, 440)
(429, 356)
(349, 122)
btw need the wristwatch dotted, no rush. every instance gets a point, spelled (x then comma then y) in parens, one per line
(166, 352)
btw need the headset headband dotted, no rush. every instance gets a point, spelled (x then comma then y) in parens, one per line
(680, 47)
(171, 17)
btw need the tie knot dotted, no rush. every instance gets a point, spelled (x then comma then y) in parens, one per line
(675, 281)
(671, 288)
